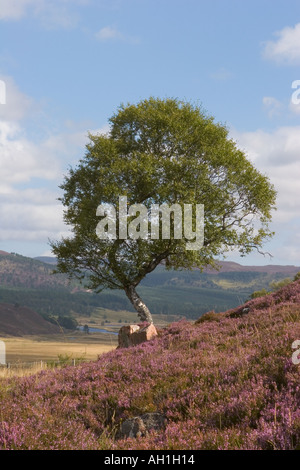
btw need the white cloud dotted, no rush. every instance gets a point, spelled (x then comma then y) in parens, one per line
(276, 154)
(56, 14)
(21, 160)
(32, 215)
(30, 218)
(51, 13)
(294, 108)
(15, 9)
(280, 147)
(28, 212)
(290, 251)
(272, 106)
(31, 171)
(17, 104)
(275, 108)
(110, 33)
(286, 49)
(222, 74)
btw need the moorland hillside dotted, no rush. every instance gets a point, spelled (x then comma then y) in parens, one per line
(227, 381)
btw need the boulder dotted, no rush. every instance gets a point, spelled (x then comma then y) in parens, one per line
(131, 335)
(141, 425)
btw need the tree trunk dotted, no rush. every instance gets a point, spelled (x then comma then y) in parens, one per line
(140, 307)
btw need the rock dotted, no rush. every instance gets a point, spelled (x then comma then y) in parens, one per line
(125, 334)
(239, 312)
(131, 335)
(141, 425)
(145, 333)
(245, 310)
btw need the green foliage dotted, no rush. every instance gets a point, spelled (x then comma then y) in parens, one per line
(67, 322)
(64, 360)
(258, 293)
(161, 151)
(274, 286)
(208, 317)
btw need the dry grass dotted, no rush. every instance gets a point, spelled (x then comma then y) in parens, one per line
(29, 350)
(31, 354)
(22, 370)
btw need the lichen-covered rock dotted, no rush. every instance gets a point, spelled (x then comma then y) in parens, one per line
(140, 426)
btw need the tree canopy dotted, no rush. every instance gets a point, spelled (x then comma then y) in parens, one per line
(160, 151)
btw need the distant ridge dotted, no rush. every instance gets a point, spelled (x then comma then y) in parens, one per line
(46, 259)
(31, 282)
(225, 266)
(3, 253)
(19, 321)
(18, 271)
(230, 266)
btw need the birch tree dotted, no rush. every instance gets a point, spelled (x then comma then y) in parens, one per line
(159, 152)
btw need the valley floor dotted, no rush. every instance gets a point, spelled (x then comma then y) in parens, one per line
(37, 348)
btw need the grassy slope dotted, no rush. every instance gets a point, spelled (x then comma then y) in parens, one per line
(225, 382)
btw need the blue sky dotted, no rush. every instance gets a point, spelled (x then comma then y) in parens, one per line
(68, 65)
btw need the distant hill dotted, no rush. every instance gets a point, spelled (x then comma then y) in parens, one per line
(20, 271)
(46, 259)
(20, 321)
(31, 283)
(230, 266)
(192, 293)
(225, 266)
